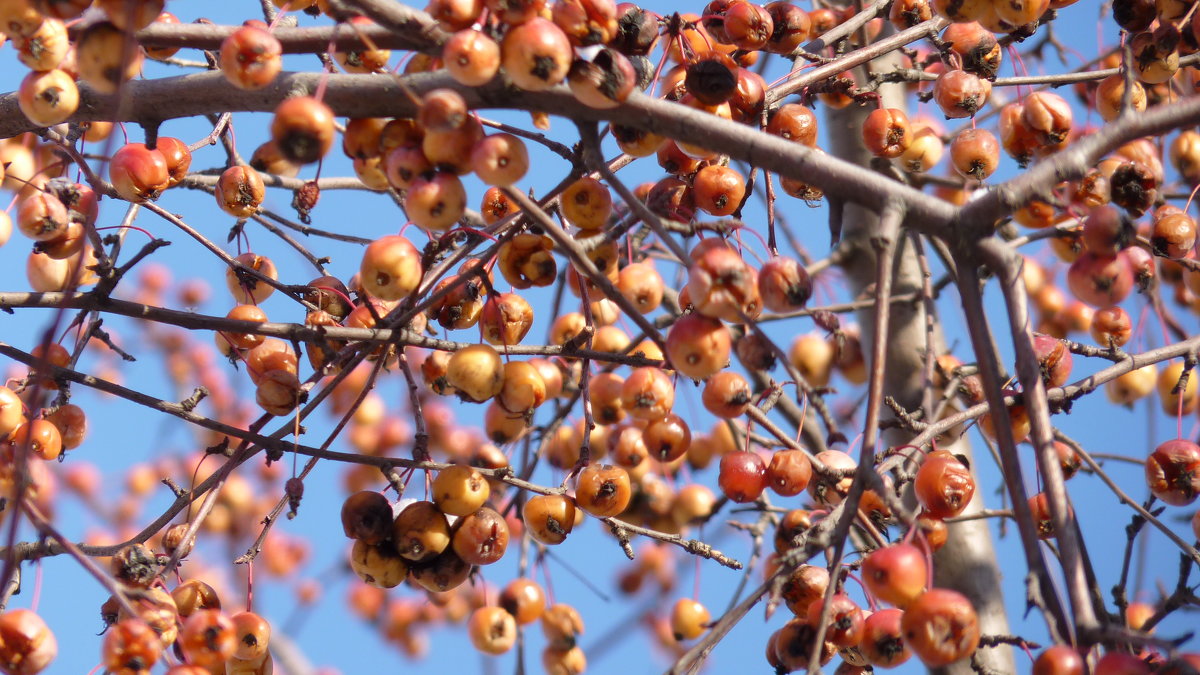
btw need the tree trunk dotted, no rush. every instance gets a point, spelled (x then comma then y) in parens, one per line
(968, 562)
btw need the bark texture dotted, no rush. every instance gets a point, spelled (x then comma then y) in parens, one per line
(968, 562)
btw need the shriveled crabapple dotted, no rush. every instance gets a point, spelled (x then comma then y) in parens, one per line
(40, 436)
(527, 260)
(794, 644)
(789, 472)
(944, 485)
(602, 490)
(1132, 386)
(844, 625)
(390, 268)
(1134, 185)
(247, 288)
(960, 94)
(240, 191)
(245, 313)
(1111, 326)
(42, 217)
(523, 390)
(940, 627)
(481, 538)
(586, 22)
(975, 153)
(137, 173)
(883, 644)
(667, 439)
(747, 25)
(48, 97)
(722, 285)
(832, 488)
(549, 518)
(604, 81)
(1110, 94)
(496, 206)
(711, 77)
(813, 356)
(461, 306)
(672, 198)
(648, 393)
(131, 16)
(1106, 231)
(404, 164)
(886, 132)
(506, 319)
(362, 61)
(177, 156)
(378, 565)
(562, 625)
(1048, 115)
(698, 346)
(1054, 359)
(791, 27)
(1173, 472)
(492, 630)
(459, 490)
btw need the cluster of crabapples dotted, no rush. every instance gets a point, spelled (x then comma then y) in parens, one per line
(147, 620)
(435, 545)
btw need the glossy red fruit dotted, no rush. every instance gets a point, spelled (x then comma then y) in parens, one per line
(1120, 663)
(138, 173)
(743, 476)
(896, 574)
(944, 484)
(1058, 660)
(883, 644)
(844, 626)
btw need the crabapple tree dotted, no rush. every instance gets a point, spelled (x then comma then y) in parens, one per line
(697, 311)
